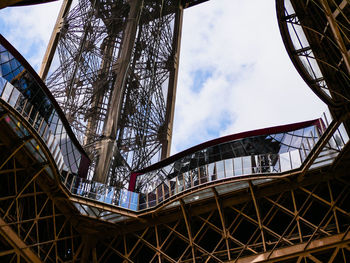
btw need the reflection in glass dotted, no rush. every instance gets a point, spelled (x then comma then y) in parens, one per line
(22, 89)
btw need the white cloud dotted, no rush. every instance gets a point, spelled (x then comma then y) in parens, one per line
(253, 83)
(29, 29)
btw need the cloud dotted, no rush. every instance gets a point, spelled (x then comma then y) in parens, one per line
(252, 83)
(29, 29)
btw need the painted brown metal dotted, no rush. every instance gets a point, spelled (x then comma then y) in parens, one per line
(51, 47)
(116, 59)
(171, 96)
(300, 216)
(322, 33)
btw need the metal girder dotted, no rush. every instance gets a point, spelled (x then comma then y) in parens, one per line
(29, 220)
(284, 218)
(117, 78)
(110, 126)
(17, 243)
(188, 227)
(222, 219)
(51, 47)
(258, 214)
(321, 26)
(337, 36)
(299, 250)
(171, 96)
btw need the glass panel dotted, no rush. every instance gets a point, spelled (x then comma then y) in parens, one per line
(187, 178)
(134, 197)
(142, 202)
(195, 177)
(173, 186)
(247, 164)
(203, 175)
(152, 199)
(2, 84)
(287, 139)
(285, 162)
(160, 193)
(7, 92)
(180, 183)
(237, 164)
(255, 164)
(124, 199)
(295, 159)
(220, 170)
(14, 97)
(166, 189)
(264, 163)
(229, 168)
(212, 171)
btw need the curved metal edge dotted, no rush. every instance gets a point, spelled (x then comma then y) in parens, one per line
(47, 92)
(228, 138)
(36, 137)
(298, 173)
(288, 44)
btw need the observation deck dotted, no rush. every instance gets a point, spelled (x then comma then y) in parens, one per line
(227, 162)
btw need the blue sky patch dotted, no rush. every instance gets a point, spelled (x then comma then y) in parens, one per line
(199, 77)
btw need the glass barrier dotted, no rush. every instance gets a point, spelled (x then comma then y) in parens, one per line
(205, 174)
(167, 188)
(28, 142)
(101, 192)
(263, 147)
(20, 89)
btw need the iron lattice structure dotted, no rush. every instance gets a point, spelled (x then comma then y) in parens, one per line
(49, 214)
(115, 78)
(301, 217)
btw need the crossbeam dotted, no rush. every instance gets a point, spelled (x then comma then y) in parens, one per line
(299, 250)
(17, 243)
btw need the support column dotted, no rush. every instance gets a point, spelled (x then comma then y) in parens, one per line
(337, 36)
(110, 127)
(171, 96)
(51, 47)
(89, 249)
(17, 243)
(188, 227)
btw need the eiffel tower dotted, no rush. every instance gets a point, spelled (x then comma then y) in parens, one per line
(85, 171)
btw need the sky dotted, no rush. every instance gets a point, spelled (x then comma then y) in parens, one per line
(235, 74)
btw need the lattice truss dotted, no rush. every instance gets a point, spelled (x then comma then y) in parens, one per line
(86, 66)
(287, 222)
(32, 228)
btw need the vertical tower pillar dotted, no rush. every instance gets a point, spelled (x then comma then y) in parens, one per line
(110, 125)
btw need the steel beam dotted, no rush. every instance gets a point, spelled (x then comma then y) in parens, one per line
(337, 36)
(110, 127)
(171, 96)
(51, 47)
(17, 243)
(280, 254)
